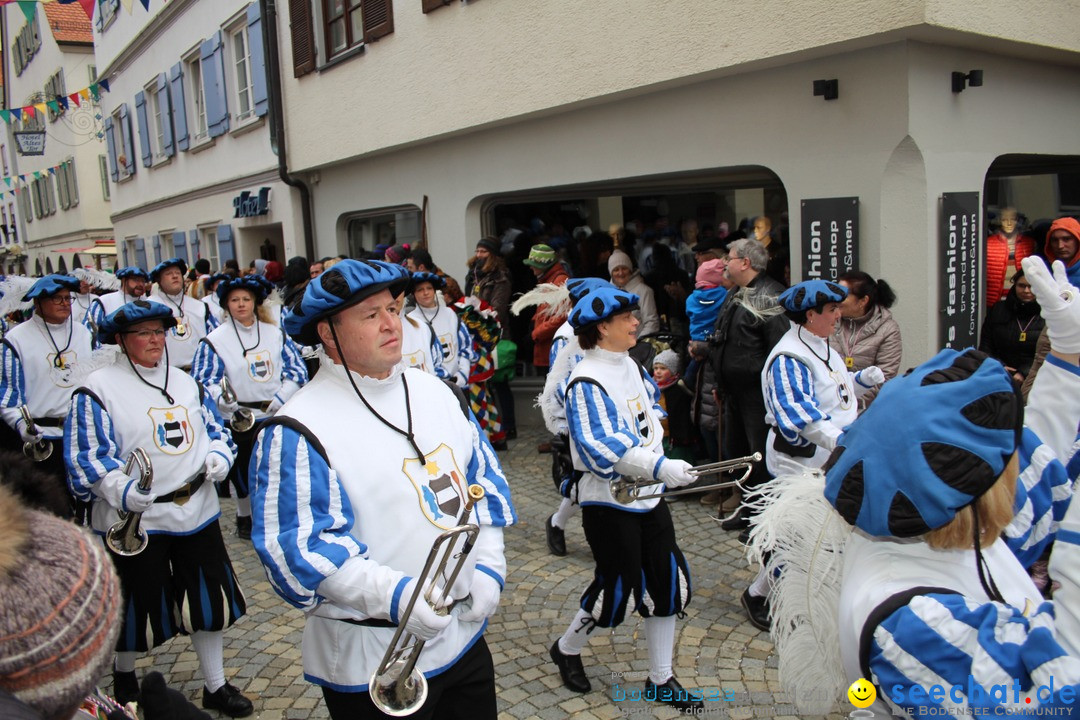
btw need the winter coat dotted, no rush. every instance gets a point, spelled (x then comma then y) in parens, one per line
(873, 339)
(646, 312)
(543, 329)
(743, 339)
(492, 287)
(1002, 330)
(997, 263)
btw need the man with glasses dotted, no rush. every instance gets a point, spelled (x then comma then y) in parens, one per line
(40, 359)
(183, 580)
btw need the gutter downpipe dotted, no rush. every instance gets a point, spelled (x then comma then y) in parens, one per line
(268, 9)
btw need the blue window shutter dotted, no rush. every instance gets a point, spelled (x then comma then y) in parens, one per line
(258, 59)
(166, 115)
(156, 243)
(114, 168)
(212, 57)
(144, 129)
(225, 244)
(179, 110)
(194, 235)
(179, 241)
(129, 140)
(121, 249)
(140, 253)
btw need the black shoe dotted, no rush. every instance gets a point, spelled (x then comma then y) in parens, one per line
(673, 694)
(222, 489)
(571, 670)
(125, 687)
(511, 434)
(757, 610)
(556, 538)
(228, 700)
(744, 536)
(736, 522)
(243, 527)
(500, 446)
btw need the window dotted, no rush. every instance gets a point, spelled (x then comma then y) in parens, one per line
(106, 13)
(157, 122)
(54, 87)
(26, 45)
(66, 186)
(208, 245)
(44, 197)
(343, 25)
(129, 251)
(3, 154)
(123, 142)
(93, 73)
(33, 122)
(11, 214)
(198, 96)
(241, 57)
(103, 168)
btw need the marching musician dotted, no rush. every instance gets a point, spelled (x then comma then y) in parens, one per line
(262, 364)
(455, 344)
(133, 281)
(614, 425)
(183, 581)
(194, 319)
(40, 360)
(353, 480)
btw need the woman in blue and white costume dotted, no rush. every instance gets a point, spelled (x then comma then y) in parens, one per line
(456, 353)
(614, 427)
(262, 364)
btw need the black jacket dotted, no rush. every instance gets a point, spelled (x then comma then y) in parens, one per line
(1003, 327)
(743, 341)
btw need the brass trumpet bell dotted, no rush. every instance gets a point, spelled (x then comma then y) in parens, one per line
(40, 451)
(627, 490)
(125, 537)
(243, 419)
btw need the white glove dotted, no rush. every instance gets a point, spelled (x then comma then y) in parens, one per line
(484, 598)
(423, 622)
(136, 500)
(274, 406)
(28, 436)
(227, 409)
(868, 377)
(216, 467)
(1060, 303)
(675, 473)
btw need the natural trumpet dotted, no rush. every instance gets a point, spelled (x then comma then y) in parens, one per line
(243, 419)
(42, 449)
(125, 537)
(397, 688)
(626, 491)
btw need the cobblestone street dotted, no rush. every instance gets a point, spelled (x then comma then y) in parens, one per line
(716, 648)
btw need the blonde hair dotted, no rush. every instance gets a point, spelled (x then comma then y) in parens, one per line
(262, 313)
(995, 512)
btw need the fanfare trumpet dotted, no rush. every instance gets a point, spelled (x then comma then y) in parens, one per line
(627, 490)
(397, 687)
(243, 419)
(42, 449)
(125, 537)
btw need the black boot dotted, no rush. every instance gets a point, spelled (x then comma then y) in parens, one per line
(556, 538)
(243, 527)
(757, 610)
(229, 700)
(673, 694)
(571, 670)
(125, 687)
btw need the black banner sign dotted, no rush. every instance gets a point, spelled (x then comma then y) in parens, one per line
(830, 237)
(959, 251)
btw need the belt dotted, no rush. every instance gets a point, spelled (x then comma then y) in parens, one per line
(377, 623)
(182, 494)
(255, 405)
(49, 422)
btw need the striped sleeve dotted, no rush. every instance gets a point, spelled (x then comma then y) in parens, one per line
(94, 315)
(789, 393)
(599, 434)
(220, 438)
(12, 385)
(302, 518)
(90, 448)
(486, 471)
(946, 654)
(1072, 462)
(292, 363)
(211, 318)
(1043, 492)
(653, 391)
(466, 352)
(208, 369)
(557, 344)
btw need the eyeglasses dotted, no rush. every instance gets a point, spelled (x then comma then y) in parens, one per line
(147, 334)
(62, 299)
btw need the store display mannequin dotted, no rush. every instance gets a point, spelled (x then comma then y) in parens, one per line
(778, 252)
(1004, 251)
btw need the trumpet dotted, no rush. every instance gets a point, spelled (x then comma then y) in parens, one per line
(125, 537)
(626, 490)
(397, 688)
(42, 449)
(243, 419)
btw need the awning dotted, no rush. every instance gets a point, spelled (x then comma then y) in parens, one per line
(103, 249)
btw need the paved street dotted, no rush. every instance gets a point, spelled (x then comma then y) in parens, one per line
(716, 648)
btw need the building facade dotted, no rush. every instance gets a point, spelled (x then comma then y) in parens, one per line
(192, 171)
(615, 109)
(63, 206)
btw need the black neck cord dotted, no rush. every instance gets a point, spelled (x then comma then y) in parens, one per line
(828, 350)
(424, 314)
(179, 305)
(163, 390)
(987, 580)
(408, 432)
(59, 360)
(258, 336)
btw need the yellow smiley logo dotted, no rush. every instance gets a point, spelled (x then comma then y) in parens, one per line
(862, 693)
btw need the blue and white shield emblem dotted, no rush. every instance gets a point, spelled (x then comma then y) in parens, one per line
(641, 419)
(173, 433)
(440, 486)
(260, 366)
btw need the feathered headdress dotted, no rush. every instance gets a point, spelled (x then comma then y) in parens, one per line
(12, 290)
(553, 301)
(97, 278)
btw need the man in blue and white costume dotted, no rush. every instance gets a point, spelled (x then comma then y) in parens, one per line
(133, 285)
(456, 354)
(353, 479)
(194, 318)
(41, 361)
(262, 364)
(614, 426)
(183, 581)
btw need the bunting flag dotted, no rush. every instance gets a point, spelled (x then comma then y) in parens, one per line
(29, 7)
(15, 181)
(93, 91)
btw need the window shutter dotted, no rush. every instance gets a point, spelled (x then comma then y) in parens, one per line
(194, 237)
(378, 18)
(140, 253)
(302, 31)
(121, 247)
(180, 246)
(114, 168)
(144, 129)
(179, 111)
(258, 59)
(155, 243)
(225, 244)
(213, 76)
(73, 183)
(165, 106)
(129, 140)
(429, 5)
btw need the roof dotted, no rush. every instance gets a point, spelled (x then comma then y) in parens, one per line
(68, 23)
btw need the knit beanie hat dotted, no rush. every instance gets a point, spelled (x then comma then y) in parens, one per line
(669, 359)
(60, 609)
(397, 254)
(619, 259)
(710, 274)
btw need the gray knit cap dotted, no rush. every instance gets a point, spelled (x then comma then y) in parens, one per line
(669, 359)
(60, 608)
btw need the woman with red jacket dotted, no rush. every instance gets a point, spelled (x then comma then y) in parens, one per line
(1004, 251)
